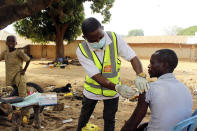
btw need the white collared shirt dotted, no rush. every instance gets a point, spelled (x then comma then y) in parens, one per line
(124, 51)
(170, 102)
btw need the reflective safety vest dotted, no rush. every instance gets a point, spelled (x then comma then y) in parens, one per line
(109, 68)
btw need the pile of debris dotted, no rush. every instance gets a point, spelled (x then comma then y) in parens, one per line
(75, 62)
(59, 63)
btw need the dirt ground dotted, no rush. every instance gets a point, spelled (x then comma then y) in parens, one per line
(52, 120)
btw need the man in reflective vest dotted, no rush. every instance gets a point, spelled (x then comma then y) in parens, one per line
(98, 55)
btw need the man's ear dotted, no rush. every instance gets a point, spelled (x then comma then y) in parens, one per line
(102, 27)
(165, 65)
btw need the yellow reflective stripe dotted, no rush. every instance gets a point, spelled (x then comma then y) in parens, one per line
(90, 80)
(96, 61)
(109, 93)
(82, 50)
(96, 91)
(114, 80)
(99, 91)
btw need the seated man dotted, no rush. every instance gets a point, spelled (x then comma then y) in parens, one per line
(169, 100)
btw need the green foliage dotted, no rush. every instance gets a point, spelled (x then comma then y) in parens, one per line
(188, 31)
(136, 32)
(41, 27)
(172, 30)
(21, 1)
(103, 7)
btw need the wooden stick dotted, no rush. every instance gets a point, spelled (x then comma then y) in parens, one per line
(16, 120)
(37, 116)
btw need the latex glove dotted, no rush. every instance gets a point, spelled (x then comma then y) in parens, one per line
(125, 91)
(141, 84)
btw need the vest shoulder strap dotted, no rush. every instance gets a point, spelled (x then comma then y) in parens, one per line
(85, 50)
(113, 37)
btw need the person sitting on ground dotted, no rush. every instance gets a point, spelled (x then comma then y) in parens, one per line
(65, 60)
(15, 74)
(169, 100)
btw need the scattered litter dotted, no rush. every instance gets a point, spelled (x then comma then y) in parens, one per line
(59, 63)
(25, 120)
(63, 66)
(77, 96)
(41, 63)
(67, 121)
(68, 67)
(47, 108)
(76, 104)
(68, 94)
(51, 66)
(75, 62)
(50, 87)
(66, 106)
(195, 91)
(5, 91)
(92, 116)
(90, 127)
(59, 107)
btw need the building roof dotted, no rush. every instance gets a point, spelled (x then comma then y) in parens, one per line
(21, 41)
(161, 39)
(192, 40)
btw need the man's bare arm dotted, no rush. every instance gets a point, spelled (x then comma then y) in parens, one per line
(104, 82)
(25, 68)
(136, 64)
(137, 116)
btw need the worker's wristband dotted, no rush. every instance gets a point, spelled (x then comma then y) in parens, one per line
(142, 75)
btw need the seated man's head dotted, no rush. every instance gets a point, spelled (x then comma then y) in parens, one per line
(162, 61)
(93, 32)
(11, 41)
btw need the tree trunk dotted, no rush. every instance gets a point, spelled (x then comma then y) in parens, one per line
(60, 30)
(59, 45)
(10, 11)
